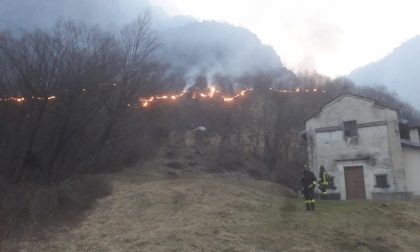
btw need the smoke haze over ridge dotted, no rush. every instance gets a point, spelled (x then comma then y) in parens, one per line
(191, 47)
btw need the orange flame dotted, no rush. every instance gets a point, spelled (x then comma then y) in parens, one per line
(228, 99)
(212, 93)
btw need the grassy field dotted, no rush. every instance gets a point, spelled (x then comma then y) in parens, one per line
(167, 211)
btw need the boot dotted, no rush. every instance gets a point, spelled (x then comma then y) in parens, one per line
(308, 206)
(313, 206)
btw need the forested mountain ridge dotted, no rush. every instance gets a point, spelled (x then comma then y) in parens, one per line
(190, 46)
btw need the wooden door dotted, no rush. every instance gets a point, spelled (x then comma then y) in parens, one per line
(355, 182)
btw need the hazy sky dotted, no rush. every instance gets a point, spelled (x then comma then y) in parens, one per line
(330, 36)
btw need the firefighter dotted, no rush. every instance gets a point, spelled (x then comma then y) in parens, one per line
(324, 177)
(308, 180)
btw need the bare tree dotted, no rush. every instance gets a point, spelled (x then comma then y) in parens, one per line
(77, 82)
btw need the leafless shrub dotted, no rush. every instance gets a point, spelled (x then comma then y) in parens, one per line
(93, 79)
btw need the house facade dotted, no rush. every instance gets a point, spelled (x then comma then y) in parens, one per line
(361, 146)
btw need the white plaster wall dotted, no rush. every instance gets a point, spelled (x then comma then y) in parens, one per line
(378, 149)
(414, 135)
(412, 168)
(347, 108)
(373, 144)
(344, 109)
(395, 150)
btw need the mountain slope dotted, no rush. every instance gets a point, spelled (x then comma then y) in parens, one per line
(191, 47)
(399, 71)
(19, 15)
(214, 47)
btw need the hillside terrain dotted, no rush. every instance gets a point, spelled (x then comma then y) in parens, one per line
(156, 208)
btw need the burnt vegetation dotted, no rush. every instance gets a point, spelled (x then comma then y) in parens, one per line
(80, 117)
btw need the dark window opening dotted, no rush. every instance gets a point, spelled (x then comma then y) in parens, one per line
(304, 137)
(404, 131)
(381, 181)
(331, 185)
(350, 128)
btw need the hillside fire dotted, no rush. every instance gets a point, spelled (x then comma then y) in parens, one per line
(210, 93)
(146, 102)
(214, 93)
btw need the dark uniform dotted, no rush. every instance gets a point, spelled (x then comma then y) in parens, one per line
(308, 180)
(324, 177)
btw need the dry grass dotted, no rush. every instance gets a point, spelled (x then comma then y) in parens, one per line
(160, 211)
(27, 210)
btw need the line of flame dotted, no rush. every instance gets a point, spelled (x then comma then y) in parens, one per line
(148, 101)
(213, 92)
(21, 99)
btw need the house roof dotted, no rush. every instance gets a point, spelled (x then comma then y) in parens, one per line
(349, 95)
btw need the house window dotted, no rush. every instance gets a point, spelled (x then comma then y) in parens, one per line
(350, 128)
(331, 185)
(404, 131)
(381, 181)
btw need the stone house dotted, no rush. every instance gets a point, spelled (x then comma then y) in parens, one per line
(369, 152)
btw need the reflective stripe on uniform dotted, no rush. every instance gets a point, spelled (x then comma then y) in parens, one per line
(312, 185)
(324, 179)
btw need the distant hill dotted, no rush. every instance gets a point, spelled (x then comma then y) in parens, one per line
(399, 71)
